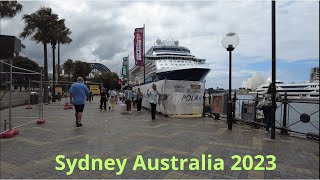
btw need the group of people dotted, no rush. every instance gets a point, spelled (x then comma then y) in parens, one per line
(79, 92)
(111, 96)
(132, 98)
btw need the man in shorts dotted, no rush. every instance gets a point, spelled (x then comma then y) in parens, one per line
(78, 94)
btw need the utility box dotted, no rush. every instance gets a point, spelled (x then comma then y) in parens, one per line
(34, 98)
(219, 103)
(248, 110)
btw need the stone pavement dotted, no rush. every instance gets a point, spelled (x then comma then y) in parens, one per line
(32, 153)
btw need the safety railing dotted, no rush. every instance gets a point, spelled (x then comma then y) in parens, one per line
(297, 116)
(20, 96)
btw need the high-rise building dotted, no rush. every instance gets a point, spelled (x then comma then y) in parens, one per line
(10, 46)
(314, 75)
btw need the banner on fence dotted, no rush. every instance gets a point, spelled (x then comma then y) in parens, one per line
(176, 97)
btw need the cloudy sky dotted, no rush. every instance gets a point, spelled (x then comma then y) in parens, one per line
(103, 30)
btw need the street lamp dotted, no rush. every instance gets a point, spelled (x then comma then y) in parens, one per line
(230, 42)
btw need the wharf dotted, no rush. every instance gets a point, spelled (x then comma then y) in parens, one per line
(32, 153)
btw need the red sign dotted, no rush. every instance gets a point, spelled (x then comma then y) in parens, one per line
(138, 44)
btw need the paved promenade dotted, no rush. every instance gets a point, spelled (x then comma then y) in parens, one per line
(32, 153)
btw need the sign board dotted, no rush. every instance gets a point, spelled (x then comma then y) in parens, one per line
(219, 103)
(58, 89)
(95, 89)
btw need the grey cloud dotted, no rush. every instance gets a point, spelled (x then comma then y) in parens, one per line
(104, 30)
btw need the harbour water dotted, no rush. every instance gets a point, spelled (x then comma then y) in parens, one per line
(294, 110)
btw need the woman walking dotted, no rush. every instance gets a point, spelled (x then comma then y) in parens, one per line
(153, 100)
(139, 97)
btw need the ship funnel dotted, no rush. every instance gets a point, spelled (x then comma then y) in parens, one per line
(176, 43)
(158, 41)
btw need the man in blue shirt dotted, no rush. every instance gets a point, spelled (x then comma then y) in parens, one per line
(78, 94)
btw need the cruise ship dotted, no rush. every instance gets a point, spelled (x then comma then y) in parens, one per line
(168, 60)
(305, 90)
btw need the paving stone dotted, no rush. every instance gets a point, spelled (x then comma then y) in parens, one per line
(109, 134)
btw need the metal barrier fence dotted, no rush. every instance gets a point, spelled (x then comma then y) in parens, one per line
(20, 96)
(292, 116)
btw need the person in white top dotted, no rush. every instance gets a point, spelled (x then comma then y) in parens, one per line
(112, 99)
(153, 100)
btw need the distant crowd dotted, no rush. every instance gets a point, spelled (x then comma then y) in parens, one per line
(79, 93)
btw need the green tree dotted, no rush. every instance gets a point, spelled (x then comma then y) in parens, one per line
(80, 69)
(38, 25)
(110, 80)
(9, 9)
(67, 66)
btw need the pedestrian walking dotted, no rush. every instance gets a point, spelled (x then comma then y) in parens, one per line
(139, 97)
(78, 93)
(116, 97)
(128, 98)
(90, 96)
(121, 96)
(103, 100)
(112, 99)
(153, 96)
(134, 98)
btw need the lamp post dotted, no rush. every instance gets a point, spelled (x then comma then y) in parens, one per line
(230, 42)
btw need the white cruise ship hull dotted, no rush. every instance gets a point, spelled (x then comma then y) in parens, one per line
(185, 73)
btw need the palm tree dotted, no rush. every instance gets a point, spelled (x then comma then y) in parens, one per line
(38, 25)
(58, 35)
(54, 35)
(9, 9)
(62, 37)
(67, 66)
(65, 39)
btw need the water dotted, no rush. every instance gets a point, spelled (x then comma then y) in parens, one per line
(294, 110)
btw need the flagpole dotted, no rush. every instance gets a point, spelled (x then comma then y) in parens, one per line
(144, 59)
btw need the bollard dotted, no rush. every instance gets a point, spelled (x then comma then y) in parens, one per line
(284, 130)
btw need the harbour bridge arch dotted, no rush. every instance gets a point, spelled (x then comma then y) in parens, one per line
(100, 67)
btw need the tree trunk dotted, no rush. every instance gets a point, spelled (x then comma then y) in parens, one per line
(58, 62)
(45, 85)
(53, 73)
